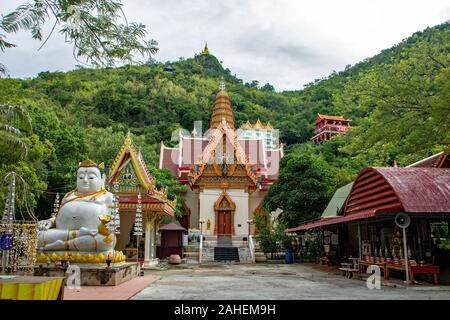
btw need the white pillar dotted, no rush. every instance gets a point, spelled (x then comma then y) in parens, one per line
(147, 245)
(153, 243)
(150, 243)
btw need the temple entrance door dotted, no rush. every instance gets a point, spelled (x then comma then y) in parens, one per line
(224, 222)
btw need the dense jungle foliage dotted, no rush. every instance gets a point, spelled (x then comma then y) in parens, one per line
(398, 101)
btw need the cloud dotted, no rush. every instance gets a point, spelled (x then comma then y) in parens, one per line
(285, 43)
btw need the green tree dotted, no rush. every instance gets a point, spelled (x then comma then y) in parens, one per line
(93, 26)
(304, 186)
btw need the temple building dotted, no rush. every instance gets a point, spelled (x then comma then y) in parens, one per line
(228, 170)
(129, 177)
(329, 126)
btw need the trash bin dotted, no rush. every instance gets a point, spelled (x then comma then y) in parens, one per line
(288, 257)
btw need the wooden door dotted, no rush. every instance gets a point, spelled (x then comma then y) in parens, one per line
(224, 223)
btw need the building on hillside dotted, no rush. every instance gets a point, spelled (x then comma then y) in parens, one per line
(260, 131)
(228, 174)
(130, 175)
(360, 217)
(329, 126)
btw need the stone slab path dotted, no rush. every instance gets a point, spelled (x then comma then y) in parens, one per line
(123, 291)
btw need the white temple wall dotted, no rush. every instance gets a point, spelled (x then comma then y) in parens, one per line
(255, 199)
(191, 201)
(208, 198)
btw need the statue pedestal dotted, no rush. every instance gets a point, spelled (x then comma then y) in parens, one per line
(95, 274)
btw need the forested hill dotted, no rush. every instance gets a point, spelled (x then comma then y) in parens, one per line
(398, 101)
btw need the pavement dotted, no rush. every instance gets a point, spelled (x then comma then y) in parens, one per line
(123, 291)
(272, 282)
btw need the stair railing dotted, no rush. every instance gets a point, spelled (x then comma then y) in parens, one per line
(251, 247)
(200, 249)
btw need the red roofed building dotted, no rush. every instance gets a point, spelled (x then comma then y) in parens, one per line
(364, 221)
(328, 126)
(228, 171)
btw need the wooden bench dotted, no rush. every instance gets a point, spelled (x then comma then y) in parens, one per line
(348, 268)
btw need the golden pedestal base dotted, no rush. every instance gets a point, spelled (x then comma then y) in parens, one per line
(77, 257)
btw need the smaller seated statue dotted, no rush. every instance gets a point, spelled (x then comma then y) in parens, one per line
(81, 222)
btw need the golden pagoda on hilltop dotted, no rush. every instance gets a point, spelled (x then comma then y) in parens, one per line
(205, 49)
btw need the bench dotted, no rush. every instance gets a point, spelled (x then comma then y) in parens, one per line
(348, 269)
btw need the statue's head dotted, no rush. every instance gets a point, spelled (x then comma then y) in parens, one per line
(89, 177)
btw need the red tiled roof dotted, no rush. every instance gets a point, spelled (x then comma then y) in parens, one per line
(172, 227)
(321, 117)
(266, 161)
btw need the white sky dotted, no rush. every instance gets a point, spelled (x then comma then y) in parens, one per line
(285, 43)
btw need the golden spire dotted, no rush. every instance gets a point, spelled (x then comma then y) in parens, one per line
(222, 109)
(205, 50)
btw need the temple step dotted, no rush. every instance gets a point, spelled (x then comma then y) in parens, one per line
(226, 254)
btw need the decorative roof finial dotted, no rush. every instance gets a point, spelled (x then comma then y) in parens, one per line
(222, 84)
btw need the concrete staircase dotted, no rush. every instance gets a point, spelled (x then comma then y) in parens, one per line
(191, 254)
(238, 245)
(236, 241)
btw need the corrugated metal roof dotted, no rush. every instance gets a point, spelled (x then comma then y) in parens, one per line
(429, 162)
(391, 190)
(338, 200)
(420, 189)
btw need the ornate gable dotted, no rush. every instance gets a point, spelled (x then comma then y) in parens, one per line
(209, 153)
(131, 172)
(129, 159)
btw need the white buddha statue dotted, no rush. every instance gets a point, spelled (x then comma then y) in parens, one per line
(80, 224)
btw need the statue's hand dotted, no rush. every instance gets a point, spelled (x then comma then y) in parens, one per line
(45, 224)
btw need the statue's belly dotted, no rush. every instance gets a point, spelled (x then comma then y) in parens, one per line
(77, 214)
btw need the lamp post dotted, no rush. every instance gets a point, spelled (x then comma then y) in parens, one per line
(202, 221)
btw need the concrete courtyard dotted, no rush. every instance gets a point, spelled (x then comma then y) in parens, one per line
(272, 282)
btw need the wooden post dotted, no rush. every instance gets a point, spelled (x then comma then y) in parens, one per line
(359, 241)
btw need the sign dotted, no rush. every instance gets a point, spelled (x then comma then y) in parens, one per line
(334, 239)
(6, 242)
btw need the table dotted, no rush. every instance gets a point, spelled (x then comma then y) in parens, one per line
(32, 288)
(426, 269)
(381, 265)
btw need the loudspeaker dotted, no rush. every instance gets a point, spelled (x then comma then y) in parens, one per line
(402, 220)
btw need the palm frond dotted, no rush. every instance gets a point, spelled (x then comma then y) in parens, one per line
(5, 44)
(16, 116)
(10, 129)
(13, 140)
